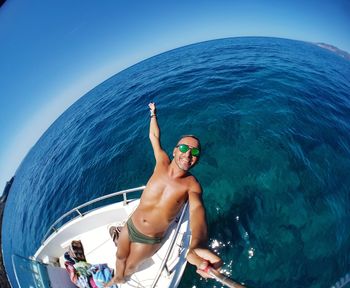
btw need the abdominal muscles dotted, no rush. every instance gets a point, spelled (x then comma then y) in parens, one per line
(153, 216)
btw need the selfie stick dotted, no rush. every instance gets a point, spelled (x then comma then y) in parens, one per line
(222, 278)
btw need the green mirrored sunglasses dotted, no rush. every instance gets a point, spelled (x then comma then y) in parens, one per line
(183, 148)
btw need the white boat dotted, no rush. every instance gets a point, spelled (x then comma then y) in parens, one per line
(46, 267)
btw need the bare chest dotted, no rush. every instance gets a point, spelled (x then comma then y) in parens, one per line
(163, 192)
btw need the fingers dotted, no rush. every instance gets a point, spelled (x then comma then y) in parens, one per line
(201, 264)
(203, 274)
(202, 258)
(152, 106)
(196, 260)
(206, 254)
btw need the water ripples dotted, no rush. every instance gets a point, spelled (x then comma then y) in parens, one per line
(273, 118)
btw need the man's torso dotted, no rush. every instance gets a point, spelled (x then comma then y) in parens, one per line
(161, 201)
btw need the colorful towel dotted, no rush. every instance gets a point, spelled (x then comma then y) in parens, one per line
(101, 274)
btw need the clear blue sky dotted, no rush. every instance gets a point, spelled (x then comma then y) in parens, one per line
(52, 52)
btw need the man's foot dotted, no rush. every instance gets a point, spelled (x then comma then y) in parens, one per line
(114, 232)
(114, 281)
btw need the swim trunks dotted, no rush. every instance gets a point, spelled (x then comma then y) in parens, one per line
(136, 236)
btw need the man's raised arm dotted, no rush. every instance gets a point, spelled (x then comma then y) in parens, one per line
(154, 135)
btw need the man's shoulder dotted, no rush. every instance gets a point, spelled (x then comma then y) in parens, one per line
(194, 185)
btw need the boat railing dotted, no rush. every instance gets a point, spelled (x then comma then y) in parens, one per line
(78, 210)
(29, 272)
(167, 255)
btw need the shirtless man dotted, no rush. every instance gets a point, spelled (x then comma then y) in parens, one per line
(165, 194)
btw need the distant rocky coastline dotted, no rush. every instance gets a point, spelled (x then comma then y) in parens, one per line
(334, 49)
(3, 278)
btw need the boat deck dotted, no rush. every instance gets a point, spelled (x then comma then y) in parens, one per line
(93, 231)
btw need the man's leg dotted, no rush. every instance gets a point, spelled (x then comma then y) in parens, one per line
(123, 252)
(138, 253)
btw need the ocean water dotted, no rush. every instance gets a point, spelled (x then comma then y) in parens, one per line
(273, 118)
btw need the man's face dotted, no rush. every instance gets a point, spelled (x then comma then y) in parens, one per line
(184, 160)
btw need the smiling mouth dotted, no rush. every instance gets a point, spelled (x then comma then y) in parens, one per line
(185, 161)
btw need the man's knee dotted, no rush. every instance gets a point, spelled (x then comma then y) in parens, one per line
(121, 257)
(130, 269)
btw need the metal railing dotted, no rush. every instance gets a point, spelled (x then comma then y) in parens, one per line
(29, 273)
(77, 209)
(165, 260)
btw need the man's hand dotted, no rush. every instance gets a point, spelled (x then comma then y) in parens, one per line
(202, 258)
(152, 107)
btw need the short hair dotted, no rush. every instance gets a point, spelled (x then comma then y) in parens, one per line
(192, 136)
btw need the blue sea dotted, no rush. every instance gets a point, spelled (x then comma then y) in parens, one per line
(273, 116)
